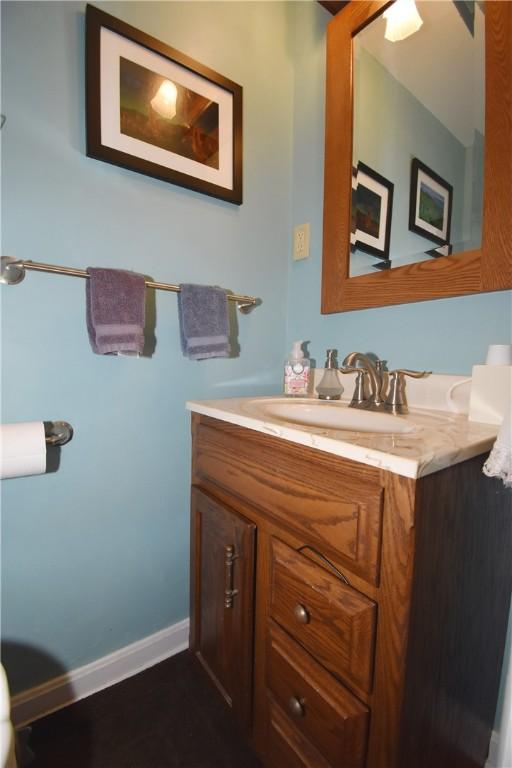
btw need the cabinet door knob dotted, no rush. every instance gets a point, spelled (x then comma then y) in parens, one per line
(301, 614)
(296, 706)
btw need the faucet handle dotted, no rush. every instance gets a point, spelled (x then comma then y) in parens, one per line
(413, 374)
(360, 395)
(396, 401)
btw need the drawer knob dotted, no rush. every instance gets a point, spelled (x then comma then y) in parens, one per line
(296, 707)
(301, 614)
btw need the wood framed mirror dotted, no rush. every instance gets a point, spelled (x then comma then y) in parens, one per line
(488, 268)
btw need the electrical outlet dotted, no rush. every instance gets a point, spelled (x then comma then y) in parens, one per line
(301, 242)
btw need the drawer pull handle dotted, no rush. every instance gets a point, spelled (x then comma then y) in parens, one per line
(229, 591)
(328, 563)
(301, 613)
(296, 707)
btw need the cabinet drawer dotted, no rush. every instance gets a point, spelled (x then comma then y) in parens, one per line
(287, 747)
(333, 621)
(331, 503)
(333, 720)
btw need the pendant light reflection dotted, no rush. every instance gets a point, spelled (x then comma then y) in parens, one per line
(402, 20)
(165, 100)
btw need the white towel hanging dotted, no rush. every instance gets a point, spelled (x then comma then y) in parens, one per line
(499, 463)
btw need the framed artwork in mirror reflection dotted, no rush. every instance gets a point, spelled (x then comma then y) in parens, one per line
(371, 211)
(154, 110)
(430, 207)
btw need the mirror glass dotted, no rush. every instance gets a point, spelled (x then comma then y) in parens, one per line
(418, 138)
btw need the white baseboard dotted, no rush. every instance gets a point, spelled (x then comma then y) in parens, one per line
(492, 760)
(55, 694)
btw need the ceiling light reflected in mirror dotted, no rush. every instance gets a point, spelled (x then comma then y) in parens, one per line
(402, 20)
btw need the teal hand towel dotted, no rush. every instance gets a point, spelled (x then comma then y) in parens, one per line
(115, 310)
(204, 321)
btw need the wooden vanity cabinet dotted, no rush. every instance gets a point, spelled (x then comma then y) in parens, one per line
(369, 613)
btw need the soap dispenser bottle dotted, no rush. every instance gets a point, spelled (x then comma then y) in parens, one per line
(330, 387)
(296, 372)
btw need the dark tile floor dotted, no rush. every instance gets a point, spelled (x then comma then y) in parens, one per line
(169, 716)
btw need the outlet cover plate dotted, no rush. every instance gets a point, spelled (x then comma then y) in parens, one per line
(301, 242)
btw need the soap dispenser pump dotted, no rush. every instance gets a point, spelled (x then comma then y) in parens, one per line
(330, 387)
(296, 372)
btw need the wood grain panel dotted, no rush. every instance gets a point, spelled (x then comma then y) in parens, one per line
(497, 224)
(458, 275)
(392, 631)
(332, 502)
(222, 637)
(333, 720)
(261, 724)
(470, 272)
(460, 607)
(340, 630)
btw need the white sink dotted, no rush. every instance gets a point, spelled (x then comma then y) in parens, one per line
(334, 415)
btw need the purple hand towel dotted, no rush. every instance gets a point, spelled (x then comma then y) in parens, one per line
(115, 301)
(204, 321)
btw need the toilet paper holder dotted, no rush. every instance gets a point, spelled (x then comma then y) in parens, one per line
(57, 433)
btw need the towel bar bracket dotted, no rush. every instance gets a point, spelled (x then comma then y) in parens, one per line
(11, 272)
(247, 306)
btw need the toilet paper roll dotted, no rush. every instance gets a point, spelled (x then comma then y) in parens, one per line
(22, 449)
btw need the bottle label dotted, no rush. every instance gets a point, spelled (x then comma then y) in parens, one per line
(296, 379)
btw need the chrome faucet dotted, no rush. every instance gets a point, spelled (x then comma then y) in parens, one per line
(394, 401)
(373, 372)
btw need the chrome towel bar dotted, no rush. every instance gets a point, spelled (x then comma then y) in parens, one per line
(13, 272)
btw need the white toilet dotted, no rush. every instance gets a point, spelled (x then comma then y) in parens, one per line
(7, 758)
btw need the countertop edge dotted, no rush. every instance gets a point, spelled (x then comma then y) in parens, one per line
(363, 455)
(414, 468)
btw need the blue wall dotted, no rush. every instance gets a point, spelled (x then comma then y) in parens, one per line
(96, 555)
(391, 127)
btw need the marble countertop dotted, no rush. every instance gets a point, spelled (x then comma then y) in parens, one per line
(438, 438)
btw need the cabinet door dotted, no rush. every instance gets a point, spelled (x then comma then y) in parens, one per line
(222, 595)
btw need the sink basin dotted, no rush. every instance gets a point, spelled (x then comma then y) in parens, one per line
(329, 415)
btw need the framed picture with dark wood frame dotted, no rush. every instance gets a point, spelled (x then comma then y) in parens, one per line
(156, 111)
(371, 210)
(430, 207)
